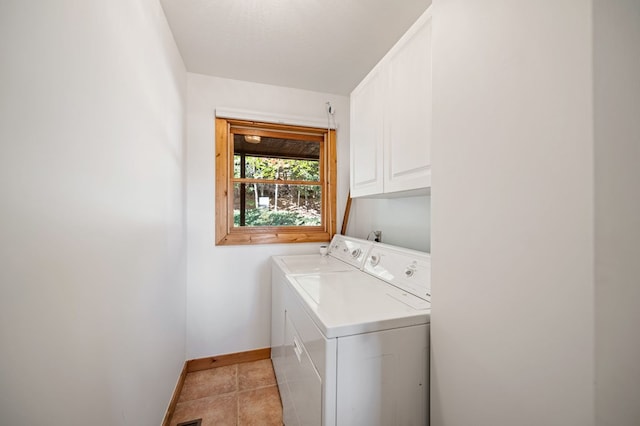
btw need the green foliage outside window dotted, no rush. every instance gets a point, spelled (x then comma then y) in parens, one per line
(264, 217)
(289, 205)
(277, 168)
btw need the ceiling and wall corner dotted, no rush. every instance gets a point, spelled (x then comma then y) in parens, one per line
(323, 46)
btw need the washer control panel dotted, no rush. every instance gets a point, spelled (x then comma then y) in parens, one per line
(409, 270)
(350, 250)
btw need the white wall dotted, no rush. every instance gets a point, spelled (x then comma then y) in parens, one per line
(92, 252)
(229, 287)
(512, 214)
(404, 222)
(617, 214)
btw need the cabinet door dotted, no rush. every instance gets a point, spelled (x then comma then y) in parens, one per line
(367, 105)
(408, 116)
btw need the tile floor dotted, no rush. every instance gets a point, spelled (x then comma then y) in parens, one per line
(236, 395)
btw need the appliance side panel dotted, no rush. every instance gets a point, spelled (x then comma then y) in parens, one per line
(382, 377)
(278, 289)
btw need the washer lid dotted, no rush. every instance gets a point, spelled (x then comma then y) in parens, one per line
(310, 263)
(347, 303)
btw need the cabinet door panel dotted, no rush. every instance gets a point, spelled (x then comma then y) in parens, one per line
(408, 117)
(366, 136)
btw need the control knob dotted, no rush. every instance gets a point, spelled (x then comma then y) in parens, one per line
(410, 270)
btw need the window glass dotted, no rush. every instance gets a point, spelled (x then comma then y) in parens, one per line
(275, 168)
(278, 205)
(274, 183)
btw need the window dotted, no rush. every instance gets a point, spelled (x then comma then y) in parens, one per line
(274, 183)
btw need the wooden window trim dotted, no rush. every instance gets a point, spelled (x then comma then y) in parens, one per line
(227, 234)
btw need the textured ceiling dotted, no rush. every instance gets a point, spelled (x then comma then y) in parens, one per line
(326, 46)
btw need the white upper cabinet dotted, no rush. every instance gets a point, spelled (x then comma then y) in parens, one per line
(407, 132)
(367, 104)
(391, 120)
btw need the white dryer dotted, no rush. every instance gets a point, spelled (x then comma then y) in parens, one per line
(356, 344)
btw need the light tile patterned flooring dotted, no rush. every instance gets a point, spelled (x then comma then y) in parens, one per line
(242, 394)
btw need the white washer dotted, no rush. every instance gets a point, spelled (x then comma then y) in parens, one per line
(356, 345)
(344, 254)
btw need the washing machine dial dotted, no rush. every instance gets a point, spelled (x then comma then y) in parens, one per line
(410, 270)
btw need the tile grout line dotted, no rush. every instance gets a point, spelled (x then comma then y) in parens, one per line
(257, 388)
(236, 391)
